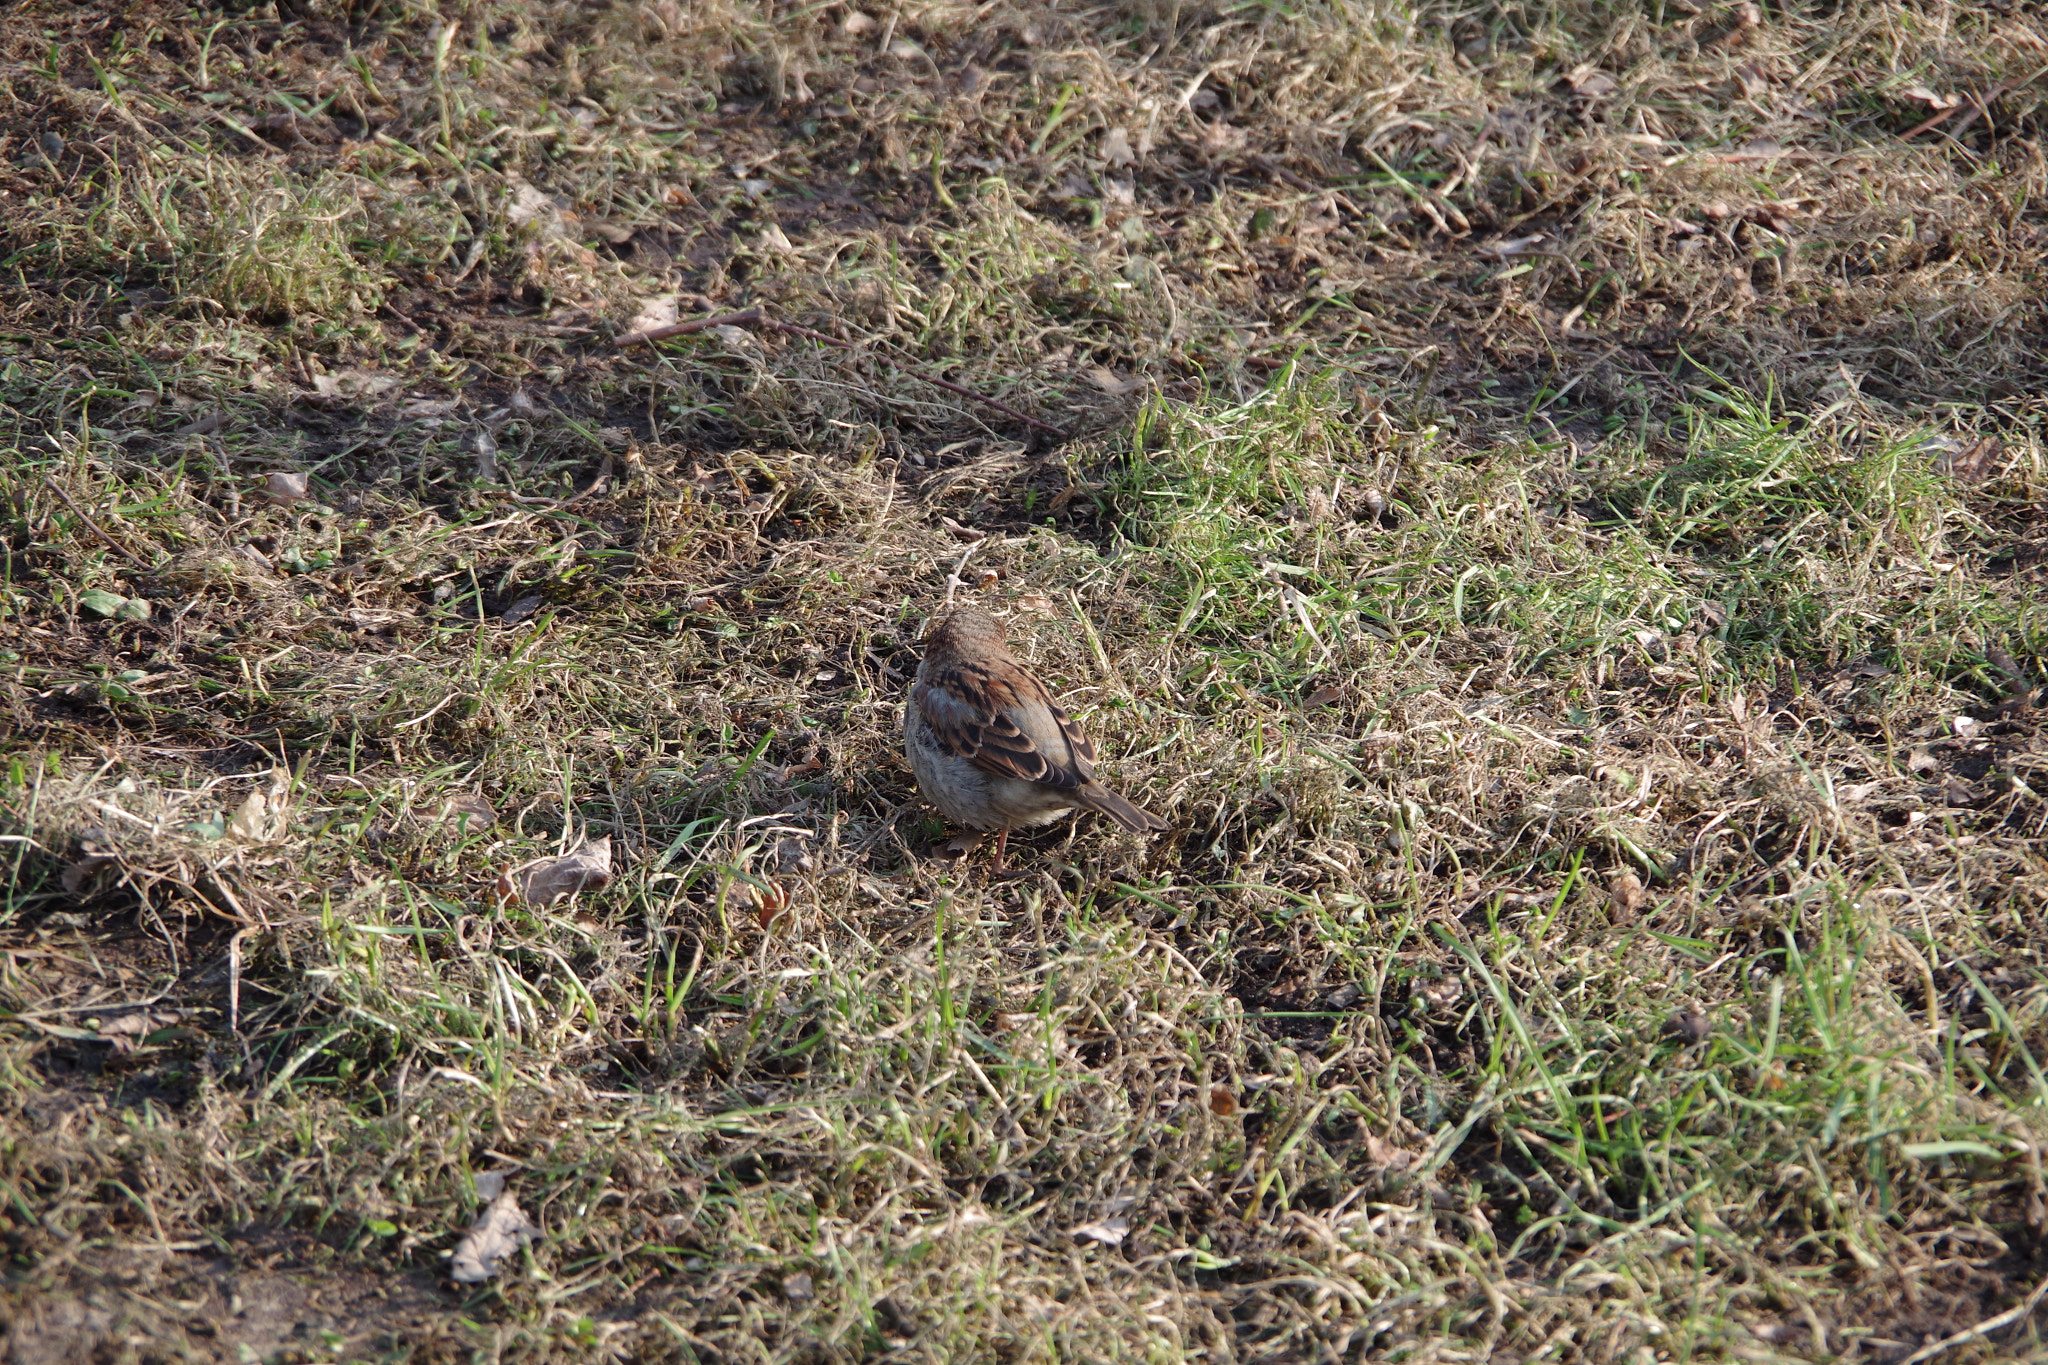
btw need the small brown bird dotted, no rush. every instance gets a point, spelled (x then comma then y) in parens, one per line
(991, 748)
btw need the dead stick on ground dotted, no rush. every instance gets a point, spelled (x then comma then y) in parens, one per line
(97, 529)
(757, 317)
(676, 329)
(1982, 109)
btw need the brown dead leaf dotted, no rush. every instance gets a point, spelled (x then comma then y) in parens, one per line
(1112, 383)
(499, 1231)
(1626, 889)
(523, 608)
(1036, 604)
(1689, 1025)
(77, 876)
(1109, 1231)
(1930, 99)
(658, 311)
(1972, 463)
(1221, 1101)
(128, 1031)
(1322, 696)
(770, 903)
(959, 846)
(1388, 1156)
(469, 806)
(250, 819)
(1441, 994)
(587, 867)
(354, 384)
(285, 489)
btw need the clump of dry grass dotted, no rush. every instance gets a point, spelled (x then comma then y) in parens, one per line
(281, 250)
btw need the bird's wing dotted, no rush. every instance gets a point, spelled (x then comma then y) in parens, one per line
(972, 710)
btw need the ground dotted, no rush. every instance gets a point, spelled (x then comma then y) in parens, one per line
(1546, 500)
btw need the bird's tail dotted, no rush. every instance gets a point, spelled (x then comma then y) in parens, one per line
(1098, 797)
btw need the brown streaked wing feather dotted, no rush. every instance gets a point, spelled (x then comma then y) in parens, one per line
(981, 734)
(1084, 751)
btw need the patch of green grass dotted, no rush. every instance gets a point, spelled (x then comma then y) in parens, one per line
(1770, 543)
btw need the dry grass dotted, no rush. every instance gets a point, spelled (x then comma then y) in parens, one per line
(1551, 517)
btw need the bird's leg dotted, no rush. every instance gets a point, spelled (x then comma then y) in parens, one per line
(1002, 842)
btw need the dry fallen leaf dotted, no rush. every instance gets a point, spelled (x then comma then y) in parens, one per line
(249, 821)
(1322, 696)
(793, 856)
(127, 1032)
(1972, 463)
(1110, 1231)
(285, 489)
(1442, 993)
(1690, 1025)
(353, 384)
(1116, 147)
(523, 608)
(1112, 383)
(486, 447)
(498, 1232)
(77, 876)
(470, 806)
(587, 867)
(529, 205)
(770, 901)
(959, 846)
(1627, 890)
(1035, 603)
(1388, 1156)
(1221, 1101)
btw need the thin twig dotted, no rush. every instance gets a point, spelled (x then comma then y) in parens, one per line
(97, 529)
(758, 317)
(676, 329)
(1981, 109)
(954, 582)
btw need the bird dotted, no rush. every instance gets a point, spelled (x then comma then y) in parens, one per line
(990, 747)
